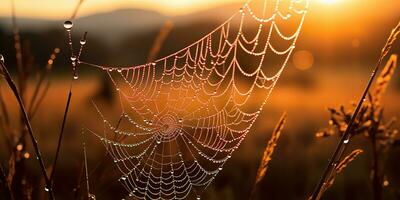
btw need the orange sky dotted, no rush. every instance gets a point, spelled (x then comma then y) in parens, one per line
(61, 9)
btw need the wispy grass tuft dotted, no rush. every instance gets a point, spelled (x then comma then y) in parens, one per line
(267, 155)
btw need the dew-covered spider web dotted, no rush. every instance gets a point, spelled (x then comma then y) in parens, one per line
(182, 116)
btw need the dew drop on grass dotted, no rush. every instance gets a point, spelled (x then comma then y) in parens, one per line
(68, 25)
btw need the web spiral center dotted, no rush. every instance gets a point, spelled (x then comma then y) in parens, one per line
(169, 128)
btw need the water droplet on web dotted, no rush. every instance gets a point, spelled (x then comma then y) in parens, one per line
(92, 196)
(76, 76)
(198, 198)
(68, 24)
(1, 58)
(158, 141)
(220, 168)
(119, 70)
(73, 58)
(346, 141)
(83, 42)
(180, 120)
(46, 189)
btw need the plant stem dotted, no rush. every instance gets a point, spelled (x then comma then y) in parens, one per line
(61, 133)
(340, 149)
(14, 89)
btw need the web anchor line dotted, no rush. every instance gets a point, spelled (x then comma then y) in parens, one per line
(183, 115)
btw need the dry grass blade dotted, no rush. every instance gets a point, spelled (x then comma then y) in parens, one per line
(17, 38)
(42, 77)
(11, 170)
(159, 41)
(339, 168)
(16, 93)
(343, 164)
(393, 36)
(269, 150)
(61, 135)
(384, 78)
(341, 147)
(76, 9)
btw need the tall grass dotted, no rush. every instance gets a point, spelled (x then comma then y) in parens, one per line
(364, 114)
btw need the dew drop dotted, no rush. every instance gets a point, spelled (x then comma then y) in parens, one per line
(346, 141)
(220, 168)
(73, 58)
(83, 42)
(68, 25)
(1, 58)
(46, 189)
(180, 120)
(198, 198)
(158, 141)
(92, 196)
(76, 76)
(119, 70)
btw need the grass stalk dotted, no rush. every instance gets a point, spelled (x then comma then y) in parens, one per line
(344, 140)
(61, 134)
(16, 93)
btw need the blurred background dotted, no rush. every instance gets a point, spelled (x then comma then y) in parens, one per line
(336, 51)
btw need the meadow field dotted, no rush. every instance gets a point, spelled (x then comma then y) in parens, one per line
(337, 49)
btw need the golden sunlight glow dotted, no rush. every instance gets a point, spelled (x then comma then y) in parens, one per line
(329, 1)
(61, 9)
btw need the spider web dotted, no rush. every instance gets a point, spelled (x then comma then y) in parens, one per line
(184, 115)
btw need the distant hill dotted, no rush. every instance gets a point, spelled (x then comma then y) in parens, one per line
(127, 34)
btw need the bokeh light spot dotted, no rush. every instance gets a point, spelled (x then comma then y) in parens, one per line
(303, 59)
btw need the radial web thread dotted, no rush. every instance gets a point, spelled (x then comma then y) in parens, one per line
(182, 116)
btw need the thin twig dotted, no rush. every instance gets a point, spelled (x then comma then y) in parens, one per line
(14, 89)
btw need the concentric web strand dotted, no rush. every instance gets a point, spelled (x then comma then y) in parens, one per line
(184, 115)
